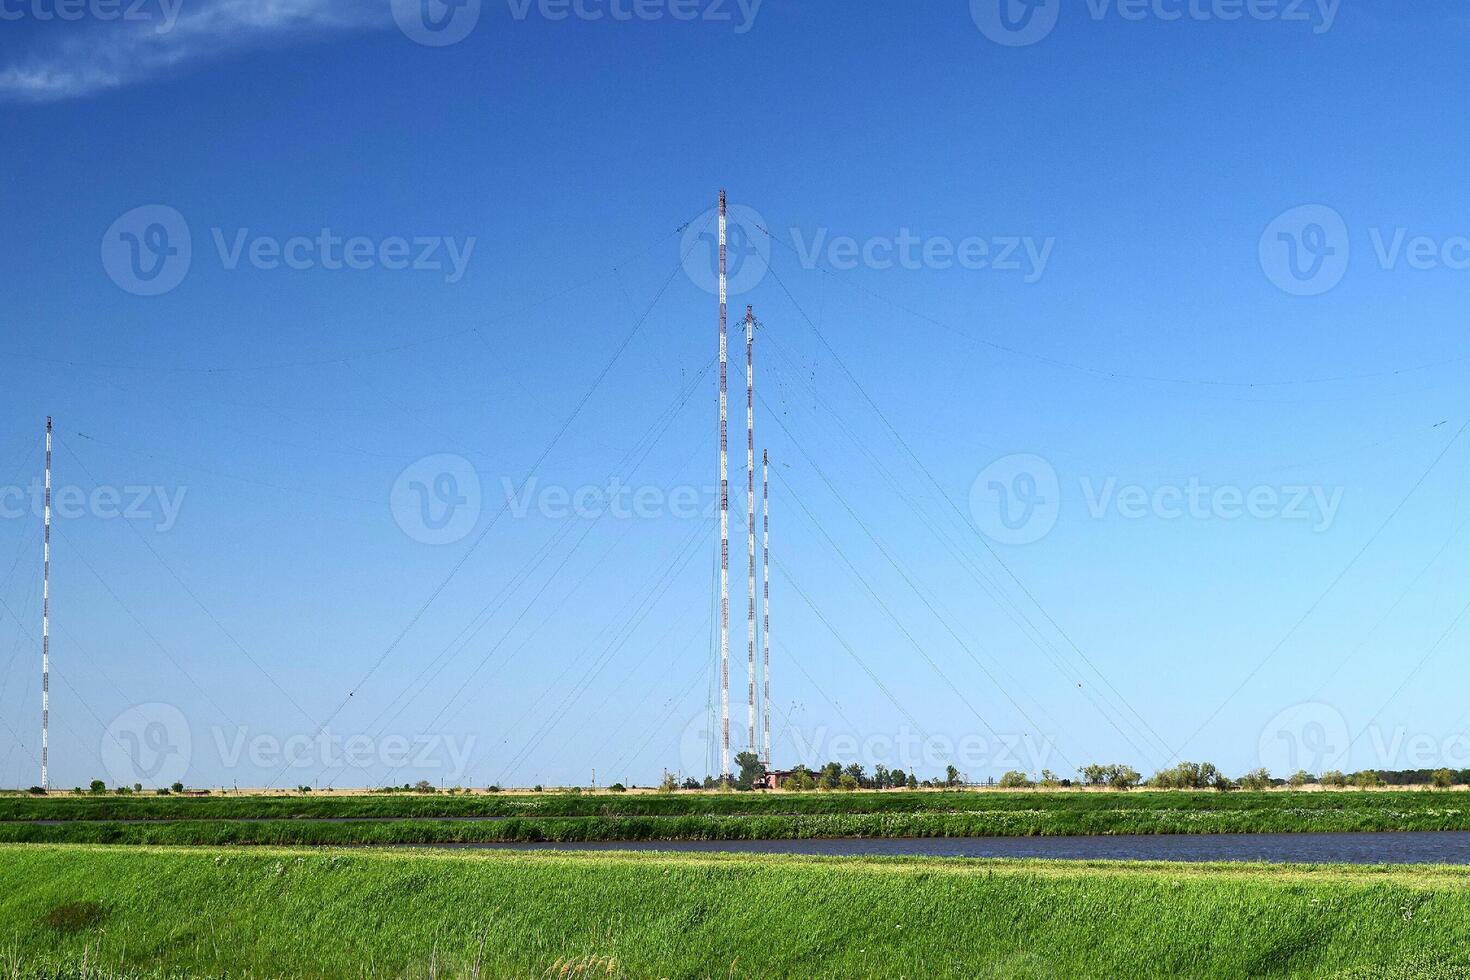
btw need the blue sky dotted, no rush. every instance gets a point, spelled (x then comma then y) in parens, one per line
(1124, 366)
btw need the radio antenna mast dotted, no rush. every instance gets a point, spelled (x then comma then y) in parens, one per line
(724, 513)
(766, 597)
(46, 624)
(750, 673)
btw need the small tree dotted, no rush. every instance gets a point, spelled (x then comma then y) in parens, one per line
(1441, 779)
(752, 771)
(1050, 780)
(951, 776)
(1015, 779)
(1367, 779)
(913, 781)
(847, 782)
(98, 786)
(801, 780)
(617, 788)
(177, 787)
(1333, 778)
(669, 784)
(1256, 780)
(1123, 777)
(1300, 778)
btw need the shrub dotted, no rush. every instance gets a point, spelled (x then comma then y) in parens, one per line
(1256, 780)
(1441, 779)
(1333, 778)
(1116, 776)
(617, 788)
(1191, 775)
(1015, 779)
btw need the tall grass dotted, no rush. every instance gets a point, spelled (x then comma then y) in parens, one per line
(1045, 817)
(313, 913)
(1407, 809)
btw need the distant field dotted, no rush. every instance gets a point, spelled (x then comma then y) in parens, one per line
(281, 913)
(433, 819)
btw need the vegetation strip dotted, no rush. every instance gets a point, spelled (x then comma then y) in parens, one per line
(274, 912)
(1003, 823)
(1387, 810)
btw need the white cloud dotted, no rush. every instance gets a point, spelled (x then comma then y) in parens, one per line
(154, 37)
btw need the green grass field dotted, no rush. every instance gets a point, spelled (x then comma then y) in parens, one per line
(271, 912)
(243, 806)
(428, 819)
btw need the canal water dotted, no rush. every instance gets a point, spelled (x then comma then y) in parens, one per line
(1417, 847)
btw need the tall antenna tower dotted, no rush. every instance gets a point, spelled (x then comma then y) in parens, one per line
(750, 527)
(46, 623)
(724, 512)
(766, 599)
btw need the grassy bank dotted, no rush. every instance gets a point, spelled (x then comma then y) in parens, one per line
(1103, 815)
(280, 912)
(1087, 812)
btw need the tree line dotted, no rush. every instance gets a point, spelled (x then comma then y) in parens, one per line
(1184, 775)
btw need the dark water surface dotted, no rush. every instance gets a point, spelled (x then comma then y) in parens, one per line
(1407, 847)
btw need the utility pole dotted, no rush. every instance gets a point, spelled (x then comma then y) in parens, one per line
(766, 599)
(750, 675)
(724, 512)
(46, 625)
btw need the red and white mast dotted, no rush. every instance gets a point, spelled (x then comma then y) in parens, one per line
(46, 623)
(766, 599)
(750, 673)
(724, 512)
